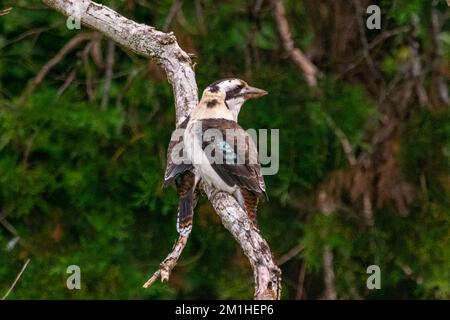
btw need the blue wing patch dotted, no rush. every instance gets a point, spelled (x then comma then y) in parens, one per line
(228, 151)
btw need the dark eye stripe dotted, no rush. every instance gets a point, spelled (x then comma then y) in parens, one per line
(234, 93)
(211, 103)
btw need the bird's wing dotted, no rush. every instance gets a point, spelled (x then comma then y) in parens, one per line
(172, 169)
(233, 154)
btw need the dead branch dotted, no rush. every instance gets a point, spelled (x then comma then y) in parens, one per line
(440, 85)
(10, 228)
(143, 40)
(199, 15)
(88, 72)
(345, 143)
(69, 46)
(361, 55)
(328, 206)
(109, 73)
(267, 275)
(368, 209)
(16, 280)
(5, 11)
(164, 49)
(67, 82)
(330, 290)
(418, 73)
(31, 32)
(362, 35)
(176, 6)
(308, 69)
(290, 254)
(301, 281)
(126, 87)
(169, 262)
(96, 53)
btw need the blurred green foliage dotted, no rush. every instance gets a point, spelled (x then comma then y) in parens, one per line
(83, 185)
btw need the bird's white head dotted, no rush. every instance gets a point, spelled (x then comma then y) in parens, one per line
(236, 92)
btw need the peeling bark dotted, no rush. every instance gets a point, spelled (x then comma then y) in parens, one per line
(266, 273)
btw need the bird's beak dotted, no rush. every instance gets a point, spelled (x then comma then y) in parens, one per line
(252, 92)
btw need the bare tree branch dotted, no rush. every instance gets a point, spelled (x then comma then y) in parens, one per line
(266, 273)
(10, 228)
(169, 262)
(176, 6)
(164, 49)
(301, 281)
(5, 11)
(290, 254)
(143, 40)
(330, 290)
(327, 205)
(67, 82)
(108, 73)
(16, 280)
(439, 80)
(359, 13)
(345, 143)
(308, 69)
(66, 49)
(362, 54)
(90, 74)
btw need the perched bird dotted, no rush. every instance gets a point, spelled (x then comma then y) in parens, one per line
(183, 174)
(221, 152)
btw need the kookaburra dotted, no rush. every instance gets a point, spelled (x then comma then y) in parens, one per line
(222, 153)
(218, 109)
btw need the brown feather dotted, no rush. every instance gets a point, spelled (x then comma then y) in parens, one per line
(246, 173)
(251, 201)
(186, 193)
(172, 169)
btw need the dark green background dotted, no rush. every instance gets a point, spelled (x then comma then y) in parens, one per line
(82, 185)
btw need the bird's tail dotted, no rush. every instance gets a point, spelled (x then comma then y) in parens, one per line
(187, 201)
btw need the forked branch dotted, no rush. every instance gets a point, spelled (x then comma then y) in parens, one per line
(164, 49)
